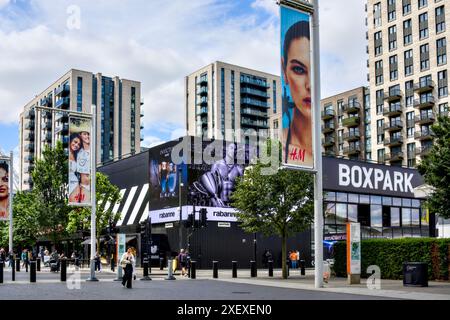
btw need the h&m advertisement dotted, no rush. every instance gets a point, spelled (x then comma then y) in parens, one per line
(4, 190)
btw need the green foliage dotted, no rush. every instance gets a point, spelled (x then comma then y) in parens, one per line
(435, 167)
(389, 255)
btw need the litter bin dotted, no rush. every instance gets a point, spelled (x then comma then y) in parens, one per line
(415, 274)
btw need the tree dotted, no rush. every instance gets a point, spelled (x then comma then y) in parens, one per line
(278, 204)
(435, 167)
(50, 177)
(108, 195)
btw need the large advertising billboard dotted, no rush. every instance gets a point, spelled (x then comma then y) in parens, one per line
(4, 190)
(79, 161)
(297, 113)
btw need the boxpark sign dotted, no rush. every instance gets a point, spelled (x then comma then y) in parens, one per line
(369, 178)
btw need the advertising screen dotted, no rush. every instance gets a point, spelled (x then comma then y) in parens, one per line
(4, 190)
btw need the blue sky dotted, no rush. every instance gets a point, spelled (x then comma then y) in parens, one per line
(158, 43)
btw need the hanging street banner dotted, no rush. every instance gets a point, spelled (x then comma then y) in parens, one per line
(297, 109)
(4, 189)
(79, 161)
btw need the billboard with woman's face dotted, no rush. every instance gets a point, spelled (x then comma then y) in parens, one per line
(79, 162)
(4, 190)
(297, 138)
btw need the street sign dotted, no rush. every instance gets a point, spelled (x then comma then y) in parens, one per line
(168, 225)
(223, 224)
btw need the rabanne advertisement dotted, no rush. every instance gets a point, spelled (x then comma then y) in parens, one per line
(79, 161)
(4, 190)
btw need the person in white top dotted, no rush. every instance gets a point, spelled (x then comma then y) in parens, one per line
(127, 261)
(74, 181)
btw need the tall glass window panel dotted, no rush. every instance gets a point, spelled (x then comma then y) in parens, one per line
(387, 201)
(395, 217)
(330, 196)
(397, 202)
(341, 197)
(375, 200)
(363, 198)
(354, 198)
(341, 213)
(330, 213)
(406, 217)
(376, 216)
(406, 202)
(353, 213)
(415, 217)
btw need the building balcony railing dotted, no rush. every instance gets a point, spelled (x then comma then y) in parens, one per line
(331, 152)
(30, 125)
(29, 158)
(202, 81)
(203, 91)
(46, 137)
(202, 102)
(29, 136)
(426, 102)
(257, 113)
(352, 107)
(28, 181)
(393, 95)
(422, 151)
(394, 110)
(351, 135)
(62, 90)
(254, 82)
(352, 150)
(393, 142)
(256, 93)
(328, 127)
(30, 114)
(202, 111)
(424, 86)
(328, 114)
(255, 123)
(29, 147)
(142, 127)
(328, 141)
(351, 121)
(47, 126)
(61, 116)
(29, 168)
(393, 126)
(63, 103)
(46, 102)
(141, 114)
(425, 118)
(253, 102)
(424, 135)
(394, 156)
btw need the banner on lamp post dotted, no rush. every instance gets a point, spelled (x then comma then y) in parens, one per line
(353, 252)
(4, 189)
(80, 161)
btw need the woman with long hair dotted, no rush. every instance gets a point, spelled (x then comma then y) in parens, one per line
(74, 177)
(4, 190)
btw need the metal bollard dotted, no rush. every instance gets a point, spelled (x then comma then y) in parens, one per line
(17, 264)
(302, 267)
(38, 264)
(234, 267)
(33, 271)
(161, 263)
(287, 268)
(13, 272)
(215, 269)
(194, 268)
(63, 269)
(253, 272)
(146, 277)
(170, 271)
(1, 271)
(270, 268)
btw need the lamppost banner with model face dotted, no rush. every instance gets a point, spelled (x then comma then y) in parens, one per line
(79, 161)
(4, 190)
(297, 113)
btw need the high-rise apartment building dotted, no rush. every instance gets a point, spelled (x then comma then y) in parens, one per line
(118, 103)
(408, 74)
(222, 98)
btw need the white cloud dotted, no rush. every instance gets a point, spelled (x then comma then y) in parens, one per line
(151, 141)
(3, 3)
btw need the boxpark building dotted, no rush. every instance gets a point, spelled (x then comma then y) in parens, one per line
(381, 198)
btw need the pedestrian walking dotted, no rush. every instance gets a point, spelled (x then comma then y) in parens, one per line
(2, 255)
(182, 260)
(24, 257)
(127, 261)
(293, 258)
(134, 253)
(97, 261)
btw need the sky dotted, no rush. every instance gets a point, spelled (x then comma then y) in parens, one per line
(158, 43)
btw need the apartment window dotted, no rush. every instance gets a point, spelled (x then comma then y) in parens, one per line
(406, 4)
(379, 101)
(443, 109)
(423, 25)
(380, 154)
(380, 131)
(391, 10)
(378, 39)
(79, 94)
(379, 72)
(392, 38)
(393, 68)
(410, 124)
(441, 48)
(274, 98)
(440, 19)
(409, 62)
(424, 57)
(409, 93)
(423, 3)
(407, 32)
(340, 106)
(377, 14)
(442, 84)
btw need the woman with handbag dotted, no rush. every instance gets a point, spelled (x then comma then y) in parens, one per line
(127, 262)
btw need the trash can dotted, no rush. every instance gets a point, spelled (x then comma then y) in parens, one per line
(415, 274)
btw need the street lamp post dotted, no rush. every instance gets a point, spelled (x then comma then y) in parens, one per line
(180, 231)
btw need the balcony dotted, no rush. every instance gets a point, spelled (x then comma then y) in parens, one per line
(352, 107)
(47, 126)
(328, 127)
(425, 118)
(30, 125)
(141, 114)
(202, 102)
(423, 151)
(394, 110)
(202, 111)
(328, 141)
(46, 102)
(351, 121)
(424, 135)
(29, 168)
(331, 152)
(202, 81)
(252, 112)
(61, 116)
(393, 95)
(62, 90)
(63, 103)
(393, 126)
(393, 142)
(328, 114)
(423, 103)
(142, 127)
(352, 136)
(47, 137)
(256, 93)
(29, 158)
(29, 147)
(394, 156)
(253, 102)
(254, 123)
(352, 150)
(424, 86)
(203, 91)
(254, 81)
(29, 114)
(28, 181)
(29, 136)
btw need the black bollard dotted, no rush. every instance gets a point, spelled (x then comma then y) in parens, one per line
(146, 277)
(26, 265)
(63, 269)
(302, 267)
(287, 268)
(33, 271)
(1, 271)
(17, 264)
(215, 269)
(13, 272)
(270, 268)
(234, 266)
(161, 263)
(38, 264)
(253, 271)
(193, 269)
